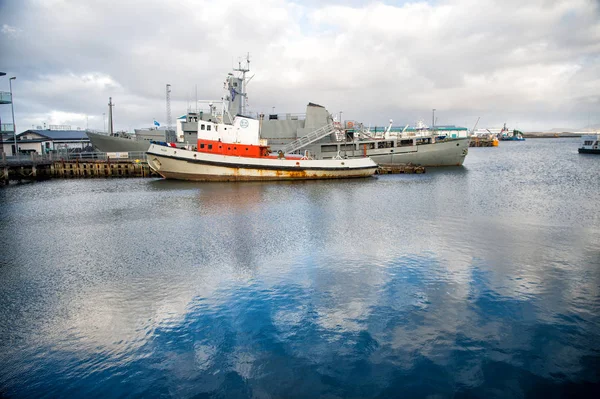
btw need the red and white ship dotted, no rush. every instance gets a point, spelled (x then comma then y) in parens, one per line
(235, 152)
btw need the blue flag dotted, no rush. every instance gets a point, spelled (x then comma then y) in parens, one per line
(156, 123)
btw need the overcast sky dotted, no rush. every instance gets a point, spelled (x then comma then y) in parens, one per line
(533, 64)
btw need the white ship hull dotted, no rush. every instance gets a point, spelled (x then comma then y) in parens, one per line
(176, 163)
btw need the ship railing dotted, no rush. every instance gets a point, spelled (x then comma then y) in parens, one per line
(55, 156)
(7, 128)
(310, 138)
(278, 117)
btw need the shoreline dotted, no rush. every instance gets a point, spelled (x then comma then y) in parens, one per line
(549, 135)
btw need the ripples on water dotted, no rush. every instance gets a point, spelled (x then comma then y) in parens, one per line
(480, 281)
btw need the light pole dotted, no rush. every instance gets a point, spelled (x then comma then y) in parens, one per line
(12, 109)
(433, 119)
(2, 134)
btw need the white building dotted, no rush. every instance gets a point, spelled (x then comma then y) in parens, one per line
(43, 141)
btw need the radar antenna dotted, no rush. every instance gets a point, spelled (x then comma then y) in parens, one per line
(243, 69)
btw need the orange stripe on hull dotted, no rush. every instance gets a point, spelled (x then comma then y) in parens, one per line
(233, 149)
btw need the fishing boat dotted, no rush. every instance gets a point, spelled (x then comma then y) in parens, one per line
(235, 152)
(510, 135)
(591, 144)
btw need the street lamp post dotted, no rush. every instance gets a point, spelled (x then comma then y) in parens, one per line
(2, 134)
(12, 109)
(433, 118)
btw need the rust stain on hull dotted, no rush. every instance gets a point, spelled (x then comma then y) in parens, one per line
(296, 176)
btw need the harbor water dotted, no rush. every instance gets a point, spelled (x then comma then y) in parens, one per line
(475, 281)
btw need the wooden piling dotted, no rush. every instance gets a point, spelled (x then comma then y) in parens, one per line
(399, 169)
(35, 169)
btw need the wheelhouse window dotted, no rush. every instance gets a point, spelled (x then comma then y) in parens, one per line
(208, 127)
(202, 127)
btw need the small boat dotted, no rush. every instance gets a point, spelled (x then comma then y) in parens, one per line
(511, 135)
(591, 144)
(235, 152)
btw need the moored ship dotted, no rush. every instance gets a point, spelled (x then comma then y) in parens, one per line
(419, 145)
(125, 142)
(235, 152)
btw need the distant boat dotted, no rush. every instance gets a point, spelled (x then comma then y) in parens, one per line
(510, 135)
(591, 144)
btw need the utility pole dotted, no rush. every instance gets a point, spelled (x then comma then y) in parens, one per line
(12, 110)
(110, 116)
(169, 107)
(1, 143)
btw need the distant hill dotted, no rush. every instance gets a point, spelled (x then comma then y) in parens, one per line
(590, 128)
(562, 129)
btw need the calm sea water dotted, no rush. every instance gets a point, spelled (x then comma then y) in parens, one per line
(479, 281)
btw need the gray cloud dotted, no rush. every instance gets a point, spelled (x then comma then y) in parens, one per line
(535, 63)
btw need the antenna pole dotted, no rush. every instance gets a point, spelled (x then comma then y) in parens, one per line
(243, 70)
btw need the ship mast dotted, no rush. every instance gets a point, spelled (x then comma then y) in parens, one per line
(243, 69)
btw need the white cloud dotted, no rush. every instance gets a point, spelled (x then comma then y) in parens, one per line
(535, 61)
(10, 31)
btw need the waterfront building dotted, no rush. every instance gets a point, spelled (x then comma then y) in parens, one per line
(42, 141)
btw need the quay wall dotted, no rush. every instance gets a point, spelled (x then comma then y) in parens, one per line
(36, 169)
